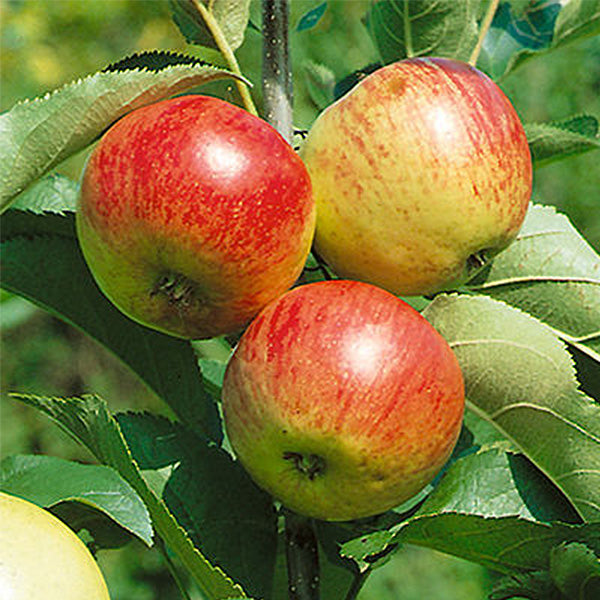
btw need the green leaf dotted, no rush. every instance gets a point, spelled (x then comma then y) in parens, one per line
(88, 420)
(503, 544)
(519, 7)
(403, 29)
(520, 377)
(488, 508)
(37, 135)
(54, 197)
(588, 368)
(552, 273)
(576, 570)
(484, 434)
(577, 19)
(370, 551)
(42, 262)
(554, 141)
(229, 519)
(492, 484)
(49, 481)
(14, 311)
(213, 372)
(516, 35)
(496, 483)
(197, 20)
(310, 18)
(55, 194)
(537, 585)
(320, 82)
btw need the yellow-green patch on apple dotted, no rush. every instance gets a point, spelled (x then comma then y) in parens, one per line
(421, 174)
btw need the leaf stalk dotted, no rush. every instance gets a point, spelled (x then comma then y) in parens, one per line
(407, 31)
(227, 53)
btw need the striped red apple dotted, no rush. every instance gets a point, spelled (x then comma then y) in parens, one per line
(421, 174)
(341, 400)
(193, 215)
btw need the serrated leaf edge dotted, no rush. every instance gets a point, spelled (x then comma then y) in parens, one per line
(97, 507)
(38, 402)
(10, 192)
(194, 62)
(509, 519)
(576, 393)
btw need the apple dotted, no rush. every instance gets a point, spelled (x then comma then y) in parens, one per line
(193, 215)
(341, 400)
(421, 173)
(41, 558)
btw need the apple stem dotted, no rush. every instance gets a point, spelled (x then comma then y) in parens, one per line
(276, 71)
(321, 265)
(485, 25)
(302, 553)
(226, 51)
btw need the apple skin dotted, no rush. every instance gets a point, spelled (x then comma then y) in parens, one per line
(421, 173)
(41, 558)
(341, 400)
(193, 215)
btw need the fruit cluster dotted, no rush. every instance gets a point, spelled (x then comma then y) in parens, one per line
(196, 218)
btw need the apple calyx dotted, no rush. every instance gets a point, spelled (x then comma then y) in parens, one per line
(178, 288)
(478, 260)
(311, 465)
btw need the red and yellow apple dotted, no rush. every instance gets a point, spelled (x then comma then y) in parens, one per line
(41, 558)
(341, 400)
(421, 173)
(193, 215)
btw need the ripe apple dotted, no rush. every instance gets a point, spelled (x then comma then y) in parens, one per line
(421, 173)
(193, 215)
(41, 558)
(341, 400)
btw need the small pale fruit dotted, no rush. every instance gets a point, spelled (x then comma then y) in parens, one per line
(41, 558)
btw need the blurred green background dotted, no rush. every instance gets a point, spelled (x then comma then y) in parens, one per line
(46, 43)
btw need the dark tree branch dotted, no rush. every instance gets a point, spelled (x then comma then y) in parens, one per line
(301, 549)
(276, 72)
(301, 541)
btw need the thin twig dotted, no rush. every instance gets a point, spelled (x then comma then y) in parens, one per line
(485, 25)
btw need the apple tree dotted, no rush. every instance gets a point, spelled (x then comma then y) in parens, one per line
(520, 493)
